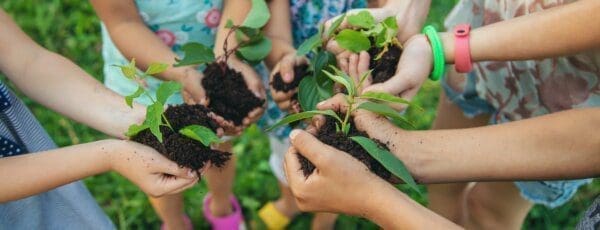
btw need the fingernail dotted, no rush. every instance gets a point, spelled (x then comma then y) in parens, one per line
(257, 95)
(287, 77)
(321, 103)
(294, 133)
(191, 174)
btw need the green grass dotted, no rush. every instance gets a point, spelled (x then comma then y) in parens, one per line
(71, 28)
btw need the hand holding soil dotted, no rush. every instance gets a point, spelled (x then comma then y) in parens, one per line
(192, 92)
(149, 170)
(284, 80)
(327, 188)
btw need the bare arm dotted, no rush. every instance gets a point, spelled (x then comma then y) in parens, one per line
(279, 30)
(563, 145)
(555, 32)
(57, 83)
(135, 40)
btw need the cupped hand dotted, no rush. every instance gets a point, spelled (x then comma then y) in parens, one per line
(152, 172)
(285, 67)
(339, 183)
(192, 90)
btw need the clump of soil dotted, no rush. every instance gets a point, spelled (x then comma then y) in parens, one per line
(300, 71)
(328, 135)
(181, 149)
(385, 67)
(228, 93)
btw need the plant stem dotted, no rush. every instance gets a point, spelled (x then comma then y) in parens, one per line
(350, 101)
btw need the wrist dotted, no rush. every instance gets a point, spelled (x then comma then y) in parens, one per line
(388, 207)
(109, 152)
(448, 41)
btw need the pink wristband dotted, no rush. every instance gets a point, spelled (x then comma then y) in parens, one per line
(462, 51)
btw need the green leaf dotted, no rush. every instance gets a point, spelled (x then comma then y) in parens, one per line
(342, 79)
(258, 16)
(353, 40)
(303, 115)
(155, 68)
(383, 96)
(257, 51)
(229, 24)
(195, 54)
(129, 70)
(335, 25)
(248, 35)
(129, 99)
(387, 159)
(166, 90)
(387, 111)
(200, 133)
(363, 19)
(135, 129)
(309, 44)
(308, 94)
(154, 119)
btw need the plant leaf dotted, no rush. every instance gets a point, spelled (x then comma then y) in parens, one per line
(200, 133)
(303, 115)
(346, 82)
(385, 110)
(155, 68)
(308, 95)
(383, 96)
(309, 44)
(362, 19)
(387, 159)
(335, 25)
(128, 70)
(135, 129)
(353, 40)
(256, 51)
(195, 54)
(228, 24)
(166, 90)
(129, 99)
(154, 119)
(258, 16)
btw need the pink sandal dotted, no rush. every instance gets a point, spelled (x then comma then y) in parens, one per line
(186, 220)
(230, 222)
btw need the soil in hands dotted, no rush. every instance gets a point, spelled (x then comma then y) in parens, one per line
(228, 93)
(385, 67)
(181, 149)
(328, 135)
(300, 71)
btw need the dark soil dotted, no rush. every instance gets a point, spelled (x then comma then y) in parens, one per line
(328, 135)
(228, 93)
(385, 67)
(300, 72)
(180, 149)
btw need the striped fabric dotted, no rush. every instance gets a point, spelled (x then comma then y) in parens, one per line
(67, 207)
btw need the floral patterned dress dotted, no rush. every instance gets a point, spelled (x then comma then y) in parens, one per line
(176, 22)
(523, 89)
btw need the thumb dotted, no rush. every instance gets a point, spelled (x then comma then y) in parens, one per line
(287, 70)
(310, 147)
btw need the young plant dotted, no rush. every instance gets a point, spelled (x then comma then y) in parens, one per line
(366, 33)
(155, 117)
(252, 46)
(376, 102)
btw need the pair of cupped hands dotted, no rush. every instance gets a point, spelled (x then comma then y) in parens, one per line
(340, 182)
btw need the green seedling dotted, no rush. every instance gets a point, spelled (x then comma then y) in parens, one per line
(252, 46)
(376, 102)
(366, 33)
(155, 117)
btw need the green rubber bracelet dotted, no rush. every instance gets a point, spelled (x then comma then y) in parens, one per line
(439, 62)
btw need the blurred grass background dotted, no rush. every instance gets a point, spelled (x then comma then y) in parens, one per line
(71, 28)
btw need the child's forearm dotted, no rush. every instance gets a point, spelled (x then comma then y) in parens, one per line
(559, 31)
(134, 39)
(56, 82)
(279, 30)
(564, 145)
(30, 174)
(236, 10)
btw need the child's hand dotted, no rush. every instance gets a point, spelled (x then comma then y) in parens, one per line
(286, 69)
(339, 183)
(149, 170)
(192, 91)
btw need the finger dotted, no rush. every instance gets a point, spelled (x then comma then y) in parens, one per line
(184, 187)
(198, 94)
(336, 103)
(364, 60)
(171, 184)
(316, 122)
(163, 165)
(342, 60)
(187, 98)
(284, 105)
(292, 169)
(314, 150)
(287, 70)
(353, 67)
